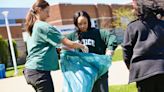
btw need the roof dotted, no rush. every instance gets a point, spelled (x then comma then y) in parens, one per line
(14, 13)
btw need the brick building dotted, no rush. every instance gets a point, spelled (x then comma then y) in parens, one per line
(61, 15)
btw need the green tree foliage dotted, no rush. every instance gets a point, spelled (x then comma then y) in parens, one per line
(122, 14)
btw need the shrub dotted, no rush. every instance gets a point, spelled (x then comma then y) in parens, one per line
(3, 51)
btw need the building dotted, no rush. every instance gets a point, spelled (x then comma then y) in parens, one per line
(61, 15)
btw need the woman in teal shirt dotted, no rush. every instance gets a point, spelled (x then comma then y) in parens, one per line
(41, 47)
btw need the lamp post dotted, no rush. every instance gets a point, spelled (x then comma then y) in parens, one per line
(5, 13)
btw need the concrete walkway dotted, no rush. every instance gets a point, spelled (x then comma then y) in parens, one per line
(118, 74)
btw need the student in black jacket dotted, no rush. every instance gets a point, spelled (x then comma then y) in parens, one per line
(98, 41)
(143, 46)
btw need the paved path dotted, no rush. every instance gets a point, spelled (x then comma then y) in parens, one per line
(118, 74)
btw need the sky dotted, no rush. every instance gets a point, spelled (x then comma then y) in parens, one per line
(28, 3)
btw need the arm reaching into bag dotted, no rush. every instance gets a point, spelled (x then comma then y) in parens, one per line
(84, 49)
(72, 45)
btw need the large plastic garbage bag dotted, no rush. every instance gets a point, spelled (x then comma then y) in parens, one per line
(81, 70)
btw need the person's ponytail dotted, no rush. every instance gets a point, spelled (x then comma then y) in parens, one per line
(30, 20)
(31, 15)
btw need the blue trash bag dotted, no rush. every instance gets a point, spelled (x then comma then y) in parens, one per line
(81, 70)
(2, 71)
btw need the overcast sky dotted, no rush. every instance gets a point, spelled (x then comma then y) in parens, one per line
(28, 3)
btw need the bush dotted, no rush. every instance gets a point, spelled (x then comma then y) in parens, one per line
(3, 51)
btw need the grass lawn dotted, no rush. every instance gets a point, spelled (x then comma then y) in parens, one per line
(10, 71)
(118, 55)
(123, 88)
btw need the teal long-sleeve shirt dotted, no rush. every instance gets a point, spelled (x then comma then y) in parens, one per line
(41, 47)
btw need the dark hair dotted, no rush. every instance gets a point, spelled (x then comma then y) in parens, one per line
(75, 18)
(84, 14)
(149, 8)
(30, 17)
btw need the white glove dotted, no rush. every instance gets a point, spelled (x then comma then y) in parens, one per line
(85, 49)
(109, 52)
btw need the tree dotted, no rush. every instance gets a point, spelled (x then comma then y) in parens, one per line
(122, 16)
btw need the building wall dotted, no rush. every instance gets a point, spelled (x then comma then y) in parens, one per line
(55, 15)
(16, 31)
(67, 11)
(101, 12)
(104, 13)
(116, 6)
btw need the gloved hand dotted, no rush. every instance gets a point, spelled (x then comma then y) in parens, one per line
(109, 52)
(85, 49)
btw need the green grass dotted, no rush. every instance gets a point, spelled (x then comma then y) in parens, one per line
(10, 71)
(123, 88)
(118, 55)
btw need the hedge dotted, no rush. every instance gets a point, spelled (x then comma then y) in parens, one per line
(5, 51)
(4, 55)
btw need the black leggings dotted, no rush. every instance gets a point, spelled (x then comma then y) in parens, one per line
(101, 85)
(40, 80)
(152, 84)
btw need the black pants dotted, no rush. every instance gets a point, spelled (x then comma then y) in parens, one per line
(152, 84)
(101, 85)
(40, 80)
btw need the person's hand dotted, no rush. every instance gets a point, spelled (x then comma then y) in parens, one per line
(85, 49)
(109, 52)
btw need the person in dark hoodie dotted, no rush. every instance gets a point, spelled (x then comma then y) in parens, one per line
(143, 46)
